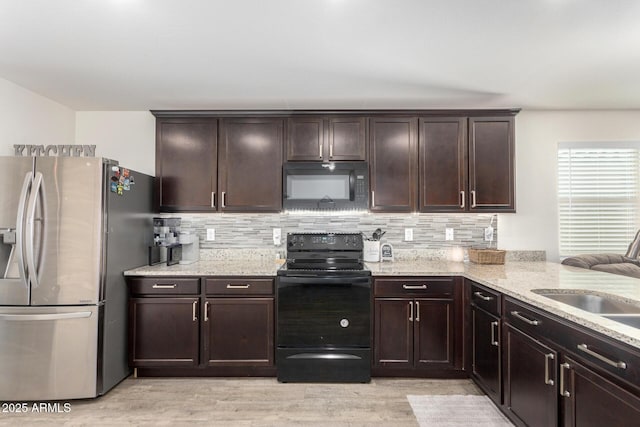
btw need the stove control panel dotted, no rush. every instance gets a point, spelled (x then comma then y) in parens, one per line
(324, 241)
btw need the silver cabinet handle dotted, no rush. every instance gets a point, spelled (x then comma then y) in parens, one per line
(224, 199)
(494, 328)
(331, 150)
(482, 297)
(230, 286)
(473, 198)
(524, 319)
(547, 358)
(213, 199)
(171, 286)
(320, 150)
(586, 349)
(373, 198)
(564, 367)
(410, 311)
(414, 286)
(206, 311)
(195, 313)
(462, 199)
(417, 311)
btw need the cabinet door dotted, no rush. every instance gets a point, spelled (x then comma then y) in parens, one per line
(486, 353)
(305, 139)
(251, 152)
(491, 164)
(443, 171)
(590, 400)
(239, 331)
(186, 162)
(530, 390)
(393, 333)
(434, 334)
(163, 332)
(347, 139)
(393, 164)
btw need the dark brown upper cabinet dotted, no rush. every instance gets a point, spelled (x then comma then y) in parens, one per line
(443, 164)
(491, 164)
(326, 138)
(250, 164)
(467, 164)
(393, 164)
(186, 160)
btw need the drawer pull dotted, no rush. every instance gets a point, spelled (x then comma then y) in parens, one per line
(230, 286)
(482, 297)
(414, 286)
(524, 319)
(195, 313)
(172, 286)
(494, 328)
(547, 358)
(564, 367)
(206, 311)
(586, 349)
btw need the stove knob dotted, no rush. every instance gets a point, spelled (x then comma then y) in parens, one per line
(344, 323)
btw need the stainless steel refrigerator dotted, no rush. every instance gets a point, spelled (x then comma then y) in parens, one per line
(65, 240)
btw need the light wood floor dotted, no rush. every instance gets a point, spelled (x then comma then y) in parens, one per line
(246, 402)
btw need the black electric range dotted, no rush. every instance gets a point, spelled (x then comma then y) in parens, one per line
(323, 298)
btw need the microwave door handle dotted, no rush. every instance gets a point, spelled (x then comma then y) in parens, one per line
(352, 185)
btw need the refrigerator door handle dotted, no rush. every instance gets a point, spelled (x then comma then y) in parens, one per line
(37, 189)
(36, 317)
(20, 243)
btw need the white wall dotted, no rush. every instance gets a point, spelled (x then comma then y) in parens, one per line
(28, 118)
(535, 225)
(126, 136)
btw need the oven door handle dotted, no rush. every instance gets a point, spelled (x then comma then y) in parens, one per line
(323, 280)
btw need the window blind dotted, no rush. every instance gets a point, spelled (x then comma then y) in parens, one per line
(598, 197)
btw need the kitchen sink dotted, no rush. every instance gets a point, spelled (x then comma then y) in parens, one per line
(627, 319)
(591, 302)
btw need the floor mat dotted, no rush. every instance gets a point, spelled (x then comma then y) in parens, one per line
(456, 410)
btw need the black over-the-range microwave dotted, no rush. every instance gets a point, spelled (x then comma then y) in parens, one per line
(325, 186)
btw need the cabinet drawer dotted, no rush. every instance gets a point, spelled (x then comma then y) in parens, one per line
(164, 285)
(486, 299)
(436, 287)
(238, 286)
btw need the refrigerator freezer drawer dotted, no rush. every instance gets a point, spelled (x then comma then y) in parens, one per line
(48, 353)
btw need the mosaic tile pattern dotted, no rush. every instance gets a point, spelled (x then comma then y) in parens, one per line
(255, 230)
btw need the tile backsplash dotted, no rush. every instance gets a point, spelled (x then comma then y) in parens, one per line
(235, 231)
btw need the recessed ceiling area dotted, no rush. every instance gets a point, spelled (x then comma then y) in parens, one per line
(333, 54)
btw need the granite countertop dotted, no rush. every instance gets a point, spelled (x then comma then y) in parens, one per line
(248, 267)
(516, 279)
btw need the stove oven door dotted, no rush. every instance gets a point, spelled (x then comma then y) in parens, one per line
(323, 328)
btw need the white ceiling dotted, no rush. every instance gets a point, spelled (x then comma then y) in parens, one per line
(296, 54)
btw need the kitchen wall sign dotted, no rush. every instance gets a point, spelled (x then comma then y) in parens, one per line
(54, 150)
(386, 252)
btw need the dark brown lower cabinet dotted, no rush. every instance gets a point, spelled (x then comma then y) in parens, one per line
(164, 332)
(485, 353)
(416, 334)
(590, 400)
(239, 331)
(531, 390)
